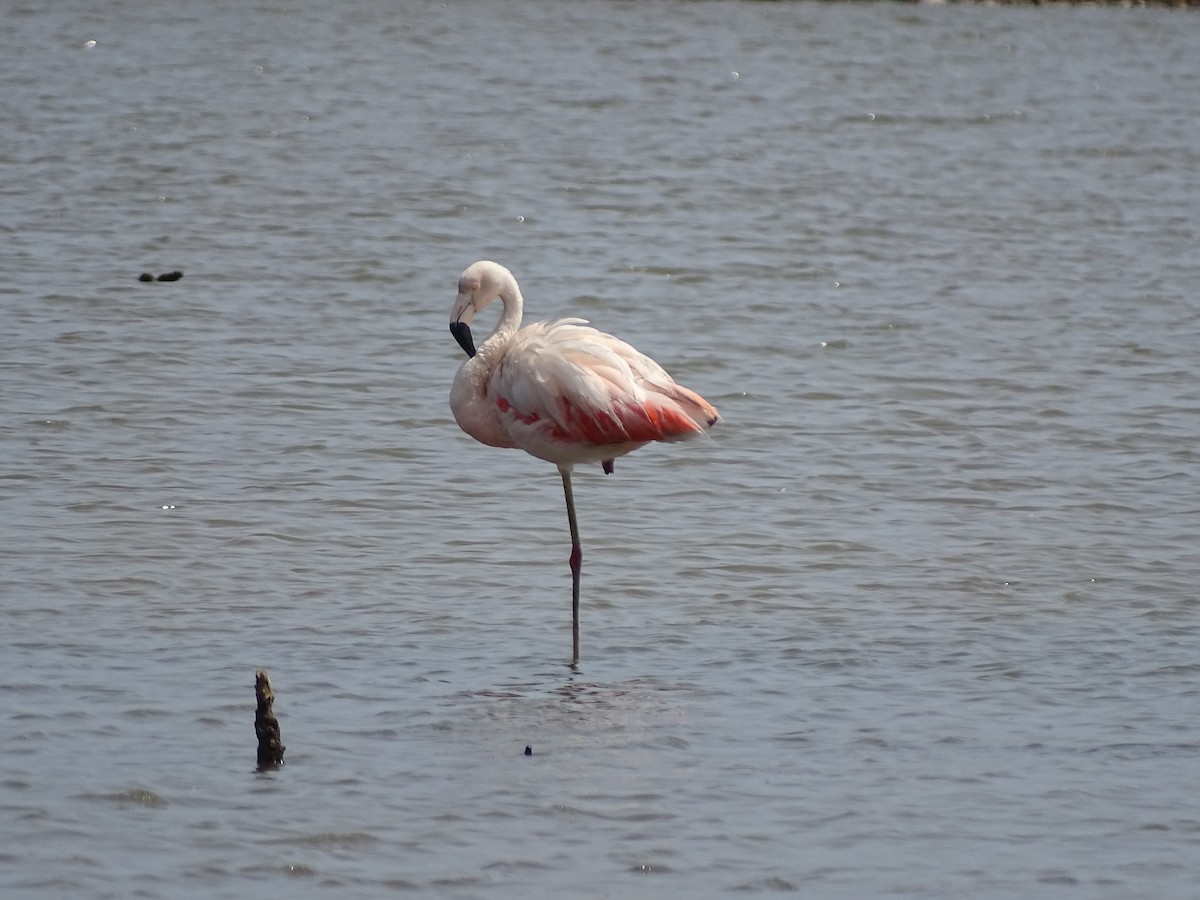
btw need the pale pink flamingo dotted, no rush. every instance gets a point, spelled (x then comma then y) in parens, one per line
(561, 391)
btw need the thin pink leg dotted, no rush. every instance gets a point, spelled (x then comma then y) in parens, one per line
(576, 561)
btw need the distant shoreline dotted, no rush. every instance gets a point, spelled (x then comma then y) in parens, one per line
(1125, 3)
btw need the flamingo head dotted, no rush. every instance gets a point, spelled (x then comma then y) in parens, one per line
(479, 285)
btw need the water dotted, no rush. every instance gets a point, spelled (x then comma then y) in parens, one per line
(920, 620)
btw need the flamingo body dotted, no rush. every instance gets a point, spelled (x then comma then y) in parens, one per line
(567, 393)
(561, 390)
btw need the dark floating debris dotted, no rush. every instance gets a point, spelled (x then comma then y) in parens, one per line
(266, 726)
(528, 750)
(165, 276)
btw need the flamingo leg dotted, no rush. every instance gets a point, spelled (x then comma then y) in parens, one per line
(576, 560)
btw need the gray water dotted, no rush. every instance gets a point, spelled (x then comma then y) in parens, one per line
(920, 620)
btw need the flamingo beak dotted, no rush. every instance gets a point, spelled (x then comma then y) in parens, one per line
(462, 334)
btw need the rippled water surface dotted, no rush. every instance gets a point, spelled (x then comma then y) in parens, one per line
(920, 620)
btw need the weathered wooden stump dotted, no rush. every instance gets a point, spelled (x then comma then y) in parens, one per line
(266, 726)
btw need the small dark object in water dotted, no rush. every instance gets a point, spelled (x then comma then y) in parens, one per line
(266, 726)
(145, 276)
(170, 276)
(528, 750)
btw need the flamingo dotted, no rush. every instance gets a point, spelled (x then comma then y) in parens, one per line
(561, 391)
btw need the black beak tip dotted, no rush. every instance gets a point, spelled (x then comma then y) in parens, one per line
(462, 334)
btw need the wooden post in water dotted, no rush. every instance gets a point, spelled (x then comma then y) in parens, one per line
(266, 726)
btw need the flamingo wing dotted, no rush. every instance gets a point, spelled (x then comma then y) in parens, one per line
(566, 383)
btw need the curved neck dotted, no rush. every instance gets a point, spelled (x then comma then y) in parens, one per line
(510, 317)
